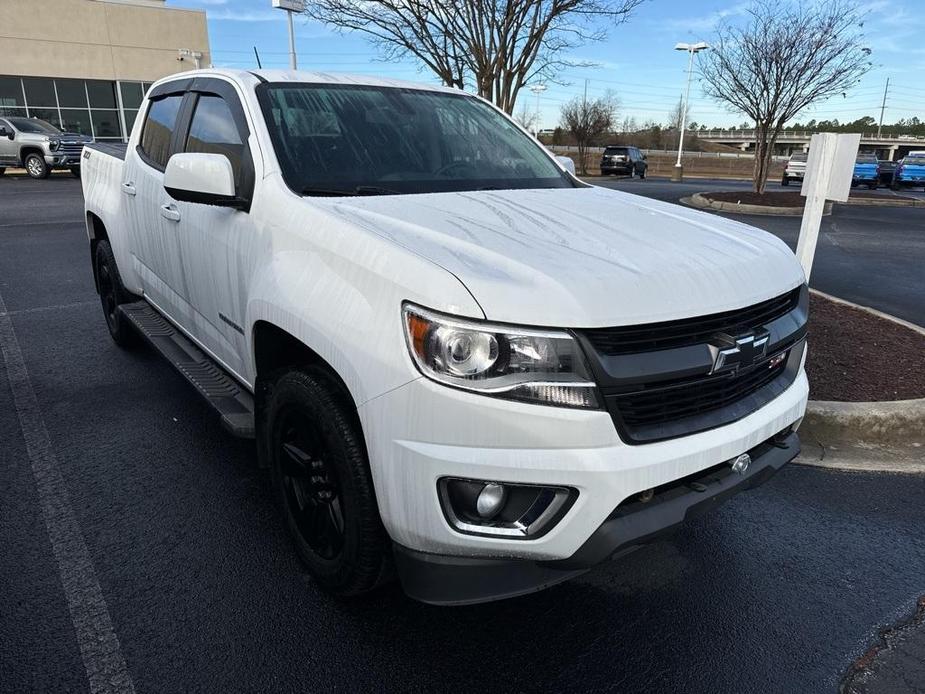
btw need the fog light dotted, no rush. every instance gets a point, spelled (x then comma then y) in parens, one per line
(490, 500)
(514, 511)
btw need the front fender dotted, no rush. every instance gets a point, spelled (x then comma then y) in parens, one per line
(346, 306)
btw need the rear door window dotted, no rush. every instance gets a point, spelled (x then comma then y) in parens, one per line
(159, 126)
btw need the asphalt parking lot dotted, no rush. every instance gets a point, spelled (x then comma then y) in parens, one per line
(780, 590)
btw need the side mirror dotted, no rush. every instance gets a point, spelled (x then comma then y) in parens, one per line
(567, 164)
(207, 179)
(5, 133)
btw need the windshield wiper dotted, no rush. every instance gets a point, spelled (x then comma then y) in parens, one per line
(358, 190)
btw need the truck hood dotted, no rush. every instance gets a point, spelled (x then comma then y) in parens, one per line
(583, 257)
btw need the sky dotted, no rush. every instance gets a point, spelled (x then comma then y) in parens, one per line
(636, 61)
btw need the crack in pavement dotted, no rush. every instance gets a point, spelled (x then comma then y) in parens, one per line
(895, 664)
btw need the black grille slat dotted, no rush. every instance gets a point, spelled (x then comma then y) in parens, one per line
(689, 331)
(646, 408)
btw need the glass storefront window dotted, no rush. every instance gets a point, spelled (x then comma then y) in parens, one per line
(106, 124)
(11, 92)
(130, 116)
(40, 91)
(131, 94)
(8, 111)
(71, 93)
(76, 121)
(49, 115)
(102, 94)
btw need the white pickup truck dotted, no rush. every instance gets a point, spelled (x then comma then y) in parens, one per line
(460, 363)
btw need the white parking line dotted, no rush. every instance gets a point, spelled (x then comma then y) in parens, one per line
(96, 639)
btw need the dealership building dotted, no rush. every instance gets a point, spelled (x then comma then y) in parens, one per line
(83, 65)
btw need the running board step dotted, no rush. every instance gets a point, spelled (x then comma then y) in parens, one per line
(231, 400)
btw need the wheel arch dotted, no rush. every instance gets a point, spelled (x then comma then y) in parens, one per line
(96, 232)
(275, 349)
(26, 150)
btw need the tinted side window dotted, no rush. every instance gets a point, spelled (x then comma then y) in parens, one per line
(213, 131)
(159, 127)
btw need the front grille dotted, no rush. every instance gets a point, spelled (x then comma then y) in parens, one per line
(659, 405)
(690, 331)
(70, 148)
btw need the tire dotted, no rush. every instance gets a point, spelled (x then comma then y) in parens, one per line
(785, 181)
(322, 481)
(75, 171)
(112, 293)
(895, 185)
(36, 166)
(632, 173)
(643, 173)
(872, 185)
(2, 170)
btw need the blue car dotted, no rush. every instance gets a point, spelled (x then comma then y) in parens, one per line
(867, 171)
(910, 172)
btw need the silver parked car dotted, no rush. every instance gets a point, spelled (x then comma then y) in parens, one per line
(795, 169)
(39, 147)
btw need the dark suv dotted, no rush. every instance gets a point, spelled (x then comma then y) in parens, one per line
(623, 160)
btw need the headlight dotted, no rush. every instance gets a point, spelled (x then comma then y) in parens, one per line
(539, 366)
(54, 144)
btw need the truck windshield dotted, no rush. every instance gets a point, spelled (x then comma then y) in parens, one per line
(367, 140)
(33, 125)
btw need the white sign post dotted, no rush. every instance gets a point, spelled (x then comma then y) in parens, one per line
(829, 170)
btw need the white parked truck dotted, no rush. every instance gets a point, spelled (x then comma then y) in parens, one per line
(461, 364)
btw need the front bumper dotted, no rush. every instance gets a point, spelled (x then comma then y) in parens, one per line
(447, 580)
(423, 431)
(62, 159)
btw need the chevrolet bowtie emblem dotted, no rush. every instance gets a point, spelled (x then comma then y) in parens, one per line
(730, 353)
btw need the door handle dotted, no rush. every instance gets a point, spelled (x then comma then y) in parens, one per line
(128, 188)
(170, 212)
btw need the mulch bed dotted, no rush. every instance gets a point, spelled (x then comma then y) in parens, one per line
(786, 199)
(858, 357)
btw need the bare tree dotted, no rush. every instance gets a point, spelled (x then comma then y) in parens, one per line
(676, 115)
(527, 117)
(588, 121)
(787, 56)
(495, 46)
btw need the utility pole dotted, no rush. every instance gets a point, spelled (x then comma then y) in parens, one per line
(883, 107)
(537, 89)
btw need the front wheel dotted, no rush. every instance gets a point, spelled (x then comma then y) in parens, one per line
(322, 481)
(785, 181)
(75, 171)
(112, 293)
(642, 174)
(872, 185)
(2, 170)
(36, 166)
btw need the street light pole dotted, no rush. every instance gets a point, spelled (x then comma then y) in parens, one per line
(537, 89)
(291, 6)
(691, 48)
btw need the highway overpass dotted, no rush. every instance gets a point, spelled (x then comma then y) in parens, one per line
(886, 146)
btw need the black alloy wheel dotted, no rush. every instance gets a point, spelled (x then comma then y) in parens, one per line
(308, 429)
(112, 293)
(310, 485)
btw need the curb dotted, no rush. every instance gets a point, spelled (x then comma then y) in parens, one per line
(885, 202)
(698, 200)
(887, 436)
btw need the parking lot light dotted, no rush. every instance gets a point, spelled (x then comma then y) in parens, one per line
(290, 6)
(691, 48)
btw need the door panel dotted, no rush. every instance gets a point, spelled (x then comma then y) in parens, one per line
(156, 237)
(214, 240)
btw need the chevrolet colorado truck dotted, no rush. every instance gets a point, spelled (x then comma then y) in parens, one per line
(461, 364)
(39, 147)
